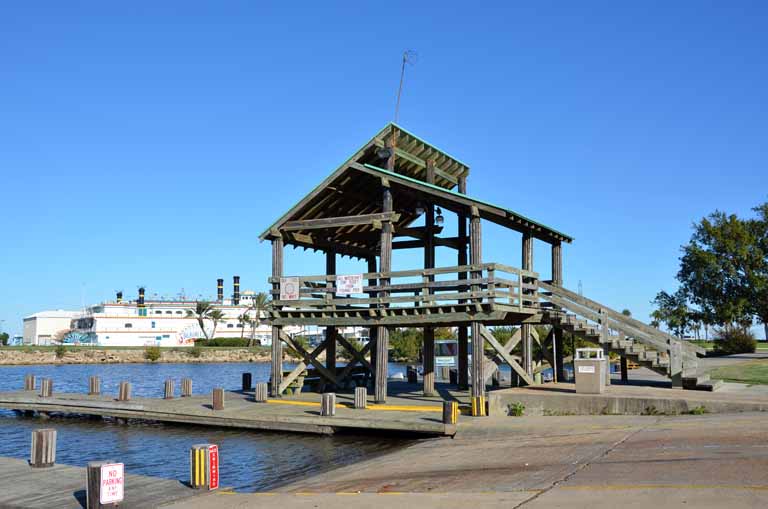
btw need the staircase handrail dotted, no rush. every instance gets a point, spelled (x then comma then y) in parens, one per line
(646, 330)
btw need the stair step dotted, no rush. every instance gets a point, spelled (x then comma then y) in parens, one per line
(709, 385)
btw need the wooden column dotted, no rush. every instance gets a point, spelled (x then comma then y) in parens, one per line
(382, 333)
(557, 339)
(372, 267)
(186, 387)
(478, 356)
(526, 328)
(260, 393)
(42, 453)
(277, 346)
(463, 361)
(429, 263)
(217, 397)
(624, 369)
(330, 332)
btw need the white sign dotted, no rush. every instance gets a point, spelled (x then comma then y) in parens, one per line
(349, 284)
(586, 369)
(289, 288)
(112, 483)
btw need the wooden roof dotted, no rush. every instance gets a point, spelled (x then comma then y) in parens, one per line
(355, 189)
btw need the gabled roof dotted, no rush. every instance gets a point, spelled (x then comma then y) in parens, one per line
(354, 189)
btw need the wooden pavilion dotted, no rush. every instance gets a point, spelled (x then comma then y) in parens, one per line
(366, 209)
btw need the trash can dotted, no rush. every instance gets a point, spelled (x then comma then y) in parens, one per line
(590, 371)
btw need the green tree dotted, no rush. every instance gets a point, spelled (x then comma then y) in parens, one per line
(405, 344)
(215, 316)
(242, 321)
(201, 313)
(718, 266)
(260, 304)
(757, 277)
(4, 338)
(672, 310)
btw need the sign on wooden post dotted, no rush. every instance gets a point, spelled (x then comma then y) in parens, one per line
(289, 288)
(112, 483)
(349, 284)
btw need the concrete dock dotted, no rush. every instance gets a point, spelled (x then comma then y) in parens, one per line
(63, 486)
(296, 414)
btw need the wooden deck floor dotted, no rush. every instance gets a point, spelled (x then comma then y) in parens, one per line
(402, 414)
(63, 486)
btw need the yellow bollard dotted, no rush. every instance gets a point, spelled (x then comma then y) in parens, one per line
(478, 406)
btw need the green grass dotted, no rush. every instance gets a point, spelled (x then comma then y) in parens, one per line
(751, 372)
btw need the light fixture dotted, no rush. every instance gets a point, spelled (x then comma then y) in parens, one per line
(419, 209)
(439, 219)
(384, 153)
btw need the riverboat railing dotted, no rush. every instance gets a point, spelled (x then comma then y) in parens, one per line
(486, 283)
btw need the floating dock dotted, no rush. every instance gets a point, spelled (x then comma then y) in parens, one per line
(294, 414)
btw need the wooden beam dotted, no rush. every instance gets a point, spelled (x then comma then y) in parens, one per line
(337, 222)
(491, 366)
(486, 334)
(331, 377)
(277, 350)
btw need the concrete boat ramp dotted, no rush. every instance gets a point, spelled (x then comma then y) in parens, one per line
(296, 414)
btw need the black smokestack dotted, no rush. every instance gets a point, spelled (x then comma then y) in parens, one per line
(220, 289)
(141, 297)
(119, 297)
(236, 296)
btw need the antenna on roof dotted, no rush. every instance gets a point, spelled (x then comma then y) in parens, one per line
(409, 57)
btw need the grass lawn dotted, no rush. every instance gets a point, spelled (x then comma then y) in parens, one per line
(751, 372)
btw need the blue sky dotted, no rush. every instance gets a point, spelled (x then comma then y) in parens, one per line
(145, 144)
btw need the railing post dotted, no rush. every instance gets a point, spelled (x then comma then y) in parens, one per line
(277, 346)
(463, 336)
(527, 342)
(478, 354)
(385, 261)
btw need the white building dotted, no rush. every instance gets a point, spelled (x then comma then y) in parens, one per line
(43, 328)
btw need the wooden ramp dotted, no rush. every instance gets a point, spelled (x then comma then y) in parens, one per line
(300, 414)
(63, 487)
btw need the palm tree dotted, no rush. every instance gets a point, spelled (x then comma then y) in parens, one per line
(201, 313)
(243, 320)
(259, 304)
(215, 316)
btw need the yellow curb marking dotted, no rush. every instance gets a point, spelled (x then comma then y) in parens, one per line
(392, 408)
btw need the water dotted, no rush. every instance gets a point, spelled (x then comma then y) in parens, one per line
(250, 460)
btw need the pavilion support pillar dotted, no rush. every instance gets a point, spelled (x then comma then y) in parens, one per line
(429, 263)
(478, 355)
(557, 338)
(382, 333)
(463, 339)
(526, 328)
(372, 267)
(330, 332)
(277, 346)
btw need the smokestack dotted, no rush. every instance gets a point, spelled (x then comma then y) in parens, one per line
(236, 296)
(119, 297)
(220, 289)
(141, 297)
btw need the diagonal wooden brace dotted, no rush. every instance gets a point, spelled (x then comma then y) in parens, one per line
(331, 377)
(299, 369)
(358, 357)
(348, 368)
(492, 365)
(505, 355)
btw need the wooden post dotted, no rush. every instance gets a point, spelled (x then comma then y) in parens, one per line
(124, 393)
(93, 485)
(168, 394)
(429, 263)
(478, 355)
(330, 332)
(527, 342)
(361, 398)
(328, 404)
(277, 346)
(624, 370)
(29, 383)
(463, 336)
(429, 361)
(382, 333)
(218, 398)
(94, 386)
(186, 387)
(260, 393)
(557, 337)
(46, 388)
(42, 453)
(372, 268)
(450, 412)
(247, 382)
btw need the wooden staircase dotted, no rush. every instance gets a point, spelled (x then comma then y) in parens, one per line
(625, 336)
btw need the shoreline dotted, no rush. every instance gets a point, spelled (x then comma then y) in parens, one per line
(33, 356)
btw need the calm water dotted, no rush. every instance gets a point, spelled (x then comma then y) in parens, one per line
(249, 460)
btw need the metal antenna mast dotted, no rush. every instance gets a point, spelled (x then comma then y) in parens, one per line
(409, 57)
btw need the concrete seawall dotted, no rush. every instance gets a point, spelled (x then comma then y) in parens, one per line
(108, 356)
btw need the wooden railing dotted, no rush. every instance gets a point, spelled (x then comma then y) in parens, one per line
(487, 283)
